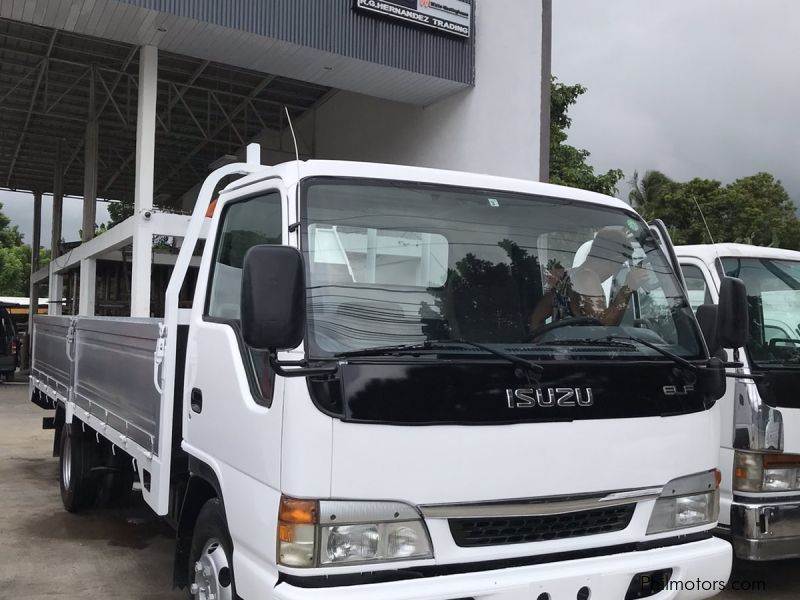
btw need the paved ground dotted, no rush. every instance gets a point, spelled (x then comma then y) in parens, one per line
(47, 553)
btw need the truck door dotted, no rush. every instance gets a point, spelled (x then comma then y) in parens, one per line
(701, 289)
(232, 402)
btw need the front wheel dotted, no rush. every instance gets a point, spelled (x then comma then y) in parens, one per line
(77, 458)
(210, 564)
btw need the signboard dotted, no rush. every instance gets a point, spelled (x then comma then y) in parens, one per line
(449, 16)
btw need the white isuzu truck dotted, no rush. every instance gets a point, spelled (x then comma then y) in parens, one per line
(358, 404)
(760, 427)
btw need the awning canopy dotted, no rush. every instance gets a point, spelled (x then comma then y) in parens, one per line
(205, 110)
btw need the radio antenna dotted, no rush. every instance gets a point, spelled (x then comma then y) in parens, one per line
(294, 140)
(710, 237)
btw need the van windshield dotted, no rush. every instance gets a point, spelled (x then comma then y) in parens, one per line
(393, 264)
(773, 294)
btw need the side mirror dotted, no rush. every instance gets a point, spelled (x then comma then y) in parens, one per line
(732, 316)
(707, 315)
(273, 297)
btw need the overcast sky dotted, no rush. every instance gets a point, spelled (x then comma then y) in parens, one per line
(19, 208)
(693, 88)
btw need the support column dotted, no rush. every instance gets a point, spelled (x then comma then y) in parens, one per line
(87, 287)
(33, 300)
(90, 165)
(143, 186)
(544, 121)
(56, 280)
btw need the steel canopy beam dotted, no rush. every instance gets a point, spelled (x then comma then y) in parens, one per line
(34, 95)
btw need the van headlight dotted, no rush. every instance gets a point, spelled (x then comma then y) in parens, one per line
(766, 472)
(313, 533)
(686, 502)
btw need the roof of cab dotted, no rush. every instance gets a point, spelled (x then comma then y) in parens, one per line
(291, 172)
(708, 252)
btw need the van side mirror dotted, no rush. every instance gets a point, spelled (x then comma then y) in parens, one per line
(273, 297)
(732, 315)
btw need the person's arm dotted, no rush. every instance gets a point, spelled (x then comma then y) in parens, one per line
(593, 305)
(544, 308)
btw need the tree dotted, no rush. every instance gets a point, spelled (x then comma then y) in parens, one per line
(9, 236)
(752, 210)
(648, 189)
(568, 164)
(15, 260)
(119, 211)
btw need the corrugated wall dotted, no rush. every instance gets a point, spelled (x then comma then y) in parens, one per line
(333, 26)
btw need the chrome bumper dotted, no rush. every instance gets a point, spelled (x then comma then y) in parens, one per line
(765, 531)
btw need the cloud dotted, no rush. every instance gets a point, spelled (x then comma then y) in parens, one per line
(696, 89)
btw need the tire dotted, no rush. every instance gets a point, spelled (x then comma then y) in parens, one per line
(210, 564)
(77, 456)
(10, 376)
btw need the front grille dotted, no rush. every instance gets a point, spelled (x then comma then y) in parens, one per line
(497, 531)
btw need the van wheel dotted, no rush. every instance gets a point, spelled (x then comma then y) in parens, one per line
(77, 457)
(210, 564)
(10, 376)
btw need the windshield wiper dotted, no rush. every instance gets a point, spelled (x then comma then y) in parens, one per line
(671, 355)
(440, 345)
(623, 341)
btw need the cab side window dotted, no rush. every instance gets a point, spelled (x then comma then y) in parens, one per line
(696, 286)
(244, 224)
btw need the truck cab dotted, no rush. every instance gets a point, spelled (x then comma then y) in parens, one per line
(760, 417)
(360, 404)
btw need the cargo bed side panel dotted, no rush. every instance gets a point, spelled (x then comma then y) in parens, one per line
(114, 375)
(51, 368)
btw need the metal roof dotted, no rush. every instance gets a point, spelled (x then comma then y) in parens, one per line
(204, 110)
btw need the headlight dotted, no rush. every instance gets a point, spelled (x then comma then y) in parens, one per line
(766, 472)
(686, 502)
(332, 532)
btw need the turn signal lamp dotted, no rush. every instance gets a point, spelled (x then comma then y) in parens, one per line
(314, 533)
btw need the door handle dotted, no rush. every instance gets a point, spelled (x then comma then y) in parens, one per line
(197, 400)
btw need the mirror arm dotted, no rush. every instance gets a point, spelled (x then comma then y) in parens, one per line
(738, 365)
(300, 368)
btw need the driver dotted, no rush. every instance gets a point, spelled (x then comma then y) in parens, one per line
(578, 292)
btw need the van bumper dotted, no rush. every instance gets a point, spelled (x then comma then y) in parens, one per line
(768, 531)
(699, 570)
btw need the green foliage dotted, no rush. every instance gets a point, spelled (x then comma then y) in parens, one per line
(568, 164)
(9, 236)
(15, 260)
(648, 189)
(119, 211)
(751, 210)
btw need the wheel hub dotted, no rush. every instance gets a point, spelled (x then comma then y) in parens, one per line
(212, 574)
(66, 463)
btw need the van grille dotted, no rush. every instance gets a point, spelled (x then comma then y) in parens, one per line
(520, 530)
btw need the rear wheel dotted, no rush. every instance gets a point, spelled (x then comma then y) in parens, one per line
(9, 376)
(78, 456)
(210, 564)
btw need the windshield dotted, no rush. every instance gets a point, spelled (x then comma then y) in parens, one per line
(392, 264)
(773, 294)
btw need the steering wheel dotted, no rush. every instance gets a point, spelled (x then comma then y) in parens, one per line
(569, 321)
